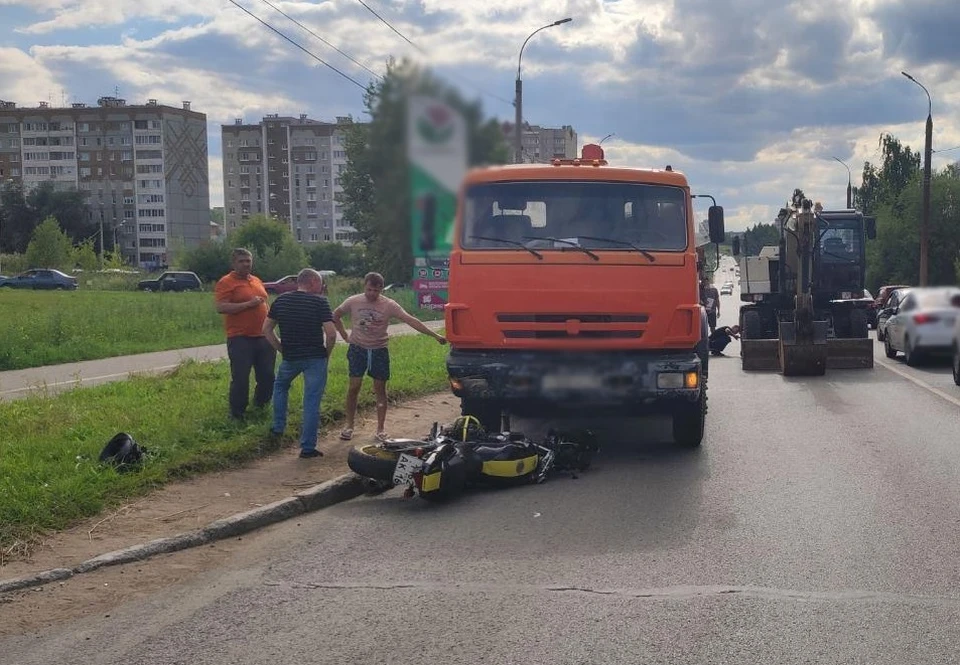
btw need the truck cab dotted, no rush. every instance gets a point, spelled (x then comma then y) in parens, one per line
(573, 286)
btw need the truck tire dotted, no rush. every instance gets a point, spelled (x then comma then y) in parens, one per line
(752, 327)
(487, 412)
(689, 421)
(858, 324)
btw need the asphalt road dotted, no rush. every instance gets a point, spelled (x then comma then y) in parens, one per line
(817, 524)
(16, 384)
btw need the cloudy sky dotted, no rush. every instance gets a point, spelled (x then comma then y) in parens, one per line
(750, 98)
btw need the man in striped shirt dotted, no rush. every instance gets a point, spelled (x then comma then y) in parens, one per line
(308, 337)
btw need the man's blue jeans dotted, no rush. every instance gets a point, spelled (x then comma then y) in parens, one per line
(314, 372)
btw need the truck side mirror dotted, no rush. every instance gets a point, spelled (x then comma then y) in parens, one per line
(715, 222)
(870, 224)
(736, 245)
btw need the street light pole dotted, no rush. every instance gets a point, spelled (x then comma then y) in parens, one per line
(518, 101)
(927, 152)
(605, 138)
(849, 184)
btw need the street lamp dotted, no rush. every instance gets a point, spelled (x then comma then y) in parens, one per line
(518, 102)
(849, 184)
(605, 138)
(925, 220)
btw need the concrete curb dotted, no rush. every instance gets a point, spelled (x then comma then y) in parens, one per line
(318, 497)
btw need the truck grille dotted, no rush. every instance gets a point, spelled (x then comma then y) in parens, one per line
(585, 326)
(563, 318)
(563, 334)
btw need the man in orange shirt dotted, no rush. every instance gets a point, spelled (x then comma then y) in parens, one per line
(242, 299)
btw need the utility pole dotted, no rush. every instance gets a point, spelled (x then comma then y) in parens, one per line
(927, 154)
(518, 101)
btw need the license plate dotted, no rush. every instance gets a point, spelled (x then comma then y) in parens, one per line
(407, 465)
(571, 382)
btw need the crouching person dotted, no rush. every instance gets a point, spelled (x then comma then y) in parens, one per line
(307, 340)
(721, 337)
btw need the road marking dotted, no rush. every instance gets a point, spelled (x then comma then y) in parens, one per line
(923, 384)
(84, 379)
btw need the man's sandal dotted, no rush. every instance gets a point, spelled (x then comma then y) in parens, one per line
(346, 434)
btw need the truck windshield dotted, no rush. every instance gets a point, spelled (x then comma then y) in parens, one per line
(840, 243)
(609, 216)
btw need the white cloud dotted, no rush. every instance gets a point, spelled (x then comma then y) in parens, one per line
(750, 98)
(24, 78)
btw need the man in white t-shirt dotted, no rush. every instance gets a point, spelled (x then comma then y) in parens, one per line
(370, 313)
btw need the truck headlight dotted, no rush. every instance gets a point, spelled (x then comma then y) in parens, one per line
(678, 380)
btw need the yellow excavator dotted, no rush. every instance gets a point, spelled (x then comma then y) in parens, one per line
(805, 308)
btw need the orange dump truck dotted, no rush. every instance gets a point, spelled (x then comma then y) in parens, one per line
(573, 287)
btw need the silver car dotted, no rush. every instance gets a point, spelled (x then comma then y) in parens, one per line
(923, 323)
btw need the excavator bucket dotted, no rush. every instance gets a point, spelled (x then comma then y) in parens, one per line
(803, 357)
(758, 355)
(850, 353)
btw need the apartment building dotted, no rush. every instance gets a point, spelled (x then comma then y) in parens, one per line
(542, 144)
(288, 168)
(143, 166)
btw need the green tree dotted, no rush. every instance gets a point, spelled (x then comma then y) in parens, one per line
(49, 246)
(85, 256)
(275, 251)
(210, 260)
(288, 260)
(757, 237)
(345, 261)
(261, 235)
(376, 197)
(900, 165)
(22, 213)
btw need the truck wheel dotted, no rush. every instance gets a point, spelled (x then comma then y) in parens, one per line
(752, 328)
(487, 412)
(689, 421)
(858, 324)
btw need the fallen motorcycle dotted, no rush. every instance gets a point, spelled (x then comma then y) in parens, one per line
(454, 458)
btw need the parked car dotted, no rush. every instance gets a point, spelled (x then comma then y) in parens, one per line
(923, 323)
(894, 298)
(41, 278)
(726, 289)
(172, 280)
(282, 285)
(883, 295)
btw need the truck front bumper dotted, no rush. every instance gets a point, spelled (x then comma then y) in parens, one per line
(541, 382)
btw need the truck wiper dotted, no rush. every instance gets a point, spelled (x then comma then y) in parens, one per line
(573, 244)
(624, 243)
(516, 243)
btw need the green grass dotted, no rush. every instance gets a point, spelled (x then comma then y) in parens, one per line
(49, 473)
(47, 328)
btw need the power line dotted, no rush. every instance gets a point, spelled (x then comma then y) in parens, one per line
(312, 55)
(404, 37)
(387, 23)
(345, 55)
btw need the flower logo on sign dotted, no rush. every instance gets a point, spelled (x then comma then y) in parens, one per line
(436, 125)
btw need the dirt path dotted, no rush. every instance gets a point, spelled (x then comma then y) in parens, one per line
(180, 507)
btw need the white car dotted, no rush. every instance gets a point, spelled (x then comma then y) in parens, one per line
(923, 323)
(726, 289)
